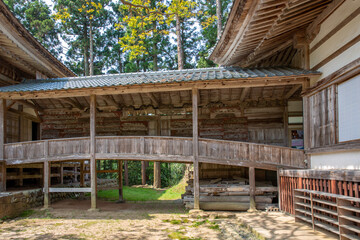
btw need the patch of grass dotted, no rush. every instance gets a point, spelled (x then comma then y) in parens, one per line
(175, 221)
(214, 226)
(27, 213)
(180, 236)
(145, 194)
(199, 223)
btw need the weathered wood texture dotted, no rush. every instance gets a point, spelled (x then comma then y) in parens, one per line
(259, 123)
(169, 149)
(337, 182)
(322, 118)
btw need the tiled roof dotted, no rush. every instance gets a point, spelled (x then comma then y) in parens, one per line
(126, 79)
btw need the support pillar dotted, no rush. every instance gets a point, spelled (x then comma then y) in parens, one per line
(126, 173)
(46, 184)
(195, 94)
(82, 165)
(120, 170)
(252, 189)
(2, 143)
(143, 172)
(93, 174)
(157, 175)
(61, 173)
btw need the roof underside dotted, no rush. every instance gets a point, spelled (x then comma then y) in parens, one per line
(160, 77)
(257, 29)
(20, 50)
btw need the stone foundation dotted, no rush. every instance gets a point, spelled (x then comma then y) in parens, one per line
(14, 203)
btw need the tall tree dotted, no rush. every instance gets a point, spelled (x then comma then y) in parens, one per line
(35, 15)
(143, 14)
(82, 22)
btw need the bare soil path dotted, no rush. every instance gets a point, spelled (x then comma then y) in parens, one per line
(70, 219)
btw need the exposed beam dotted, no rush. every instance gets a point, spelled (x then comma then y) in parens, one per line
(10, 104)
(110, 100)
(292, 91)
(153, 99)
(15, 57)
(73, 103)
(244, 93)
(30, 105)
(7, 79)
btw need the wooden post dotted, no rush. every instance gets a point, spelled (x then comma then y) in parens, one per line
(252, 188)
(92, 151)
(286, 127)
(279, 186)
(157, 175)
(47, 175)
(46, 184)
(21, 176)
(195, 93)
(82, 165)
(2, 143)
(120, 169)
(143, 173)
(61, 173)
(126, 173)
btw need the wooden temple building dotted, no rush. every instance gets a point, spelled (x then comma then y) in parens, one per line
(281, 108)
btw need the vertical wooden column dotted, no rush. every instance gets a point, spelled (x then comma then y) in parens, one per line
(82, 168)
(157, 175)
(252, 188)
(120, 169)
(2, 143)
(195, 93)
(286, 126)
(46, 184)
(143, 172)
(92, 151)
(126, 173)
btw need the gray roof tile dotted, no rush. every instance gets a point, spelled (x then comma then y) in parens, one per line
(124, 79)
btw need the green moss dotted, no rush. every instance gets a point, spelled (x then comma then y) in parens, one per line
(27, 213)
(180, 236)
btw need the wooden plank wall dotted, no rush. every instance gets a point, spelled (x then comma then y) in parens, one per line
(322, 118)
(258, 124)
(289, 183)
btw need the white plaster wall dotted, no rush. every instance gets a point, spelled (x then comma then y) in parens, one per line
(339, 160)
(336, 41)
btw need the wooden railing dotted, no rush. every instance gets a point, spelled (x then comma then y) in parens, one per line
(170, 149)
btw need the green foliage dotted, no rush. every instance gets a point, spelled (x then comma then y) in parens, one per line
(35, 15)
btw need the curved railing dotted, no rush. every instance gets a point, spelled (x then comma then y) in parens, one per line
(149, 148)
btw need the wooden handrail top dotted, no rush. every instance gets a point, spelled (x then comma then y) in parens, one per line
(354, 199)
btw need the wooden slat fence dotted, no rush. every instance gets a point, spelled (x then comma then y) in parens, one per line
(336, 182)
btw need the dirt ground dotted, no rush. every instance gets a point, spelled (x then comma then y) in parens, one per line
(70, 219)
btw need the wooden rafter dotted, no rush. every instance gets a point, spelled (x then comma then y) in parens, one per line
(111, 101)
(292, 91)
(244, 93)
(30, 105)
(154, 101)
(73, 103)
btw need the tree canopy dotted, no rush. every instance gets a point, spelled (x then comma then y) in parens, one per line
(114, 36)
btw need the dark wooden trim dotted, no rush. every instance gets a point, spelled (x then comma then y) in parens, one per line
(335, 29)
(337, 52)
(340, 175)
(348, 71)
(340, 147)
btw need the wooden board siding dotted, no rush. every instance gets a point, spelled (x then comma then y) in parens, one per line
(322, 115)
(253, 124)
(338, 41)
(169, 149)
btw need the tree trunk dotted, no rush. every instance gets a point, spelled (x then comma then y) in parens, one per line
(219, 18)
(86, 57)
(91, 51)
(180, 49)
(155, 50)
